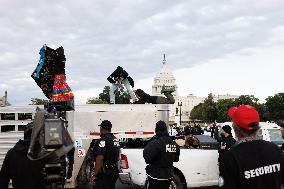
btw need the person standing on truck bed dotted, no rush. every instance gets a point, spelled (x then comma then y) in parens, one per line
(159, 154)
(24, 173)
(118, 78)
(106, 152)
(252, 162)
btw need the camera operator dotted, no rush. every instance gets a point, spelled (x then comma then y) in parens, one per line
(25, 174)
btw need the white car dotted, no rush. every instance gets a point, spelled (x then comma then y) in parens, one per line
(196, 167)
(268, 132)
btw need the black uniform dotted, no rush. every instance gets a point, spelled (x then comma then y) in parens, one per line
(25, 174)
(228, 141)
(160, 153)
(188, 130)
(109, 147)
(255, 164)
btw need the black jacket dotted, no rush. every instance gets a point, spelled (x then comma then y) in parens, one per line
(108, 146)
(228, 141)
(24, 173)
(118, 73)
(160, 153)
(254, 164)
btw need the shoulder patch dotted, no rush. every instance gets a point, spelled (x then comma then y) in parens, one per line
(102, 144)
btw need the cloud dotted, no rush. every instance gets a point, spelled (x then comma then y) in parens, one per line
(259, 74)
(99, 35)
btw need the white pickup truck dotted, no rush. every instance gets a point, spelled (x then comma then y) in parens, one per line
(196, 167)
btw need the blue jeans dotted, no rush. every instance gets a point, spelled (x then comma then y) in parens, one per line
(114, 87)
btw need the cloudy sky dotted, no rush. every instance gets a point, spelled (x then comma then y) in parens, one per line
(219, 46)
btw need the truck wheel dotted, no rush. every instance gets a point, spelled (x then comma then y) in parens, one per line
(176, 183)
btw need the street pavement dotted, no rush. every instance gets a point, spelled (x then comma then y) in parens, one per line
(118, 186)
(123, 186)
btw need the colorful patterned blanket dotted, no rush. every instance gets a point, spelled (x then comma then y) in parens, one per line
(50, 75)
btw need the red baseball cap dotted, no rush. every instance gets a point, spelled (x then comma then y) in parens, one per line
(243, 116)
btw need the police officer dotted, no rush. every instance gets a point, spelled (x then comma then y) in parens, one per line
(105, 173)
(24, 173)
(227, 140)
(252, 162)
(160, 153)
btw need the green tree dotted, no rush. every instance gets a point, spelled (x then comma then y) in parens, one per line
(246, 100)
(205, 111)
(38, 101)
(210, 111)
(104, 96)
(96, 101)
(222, 109)
(275, 107)
(121, 97)
(197, 112)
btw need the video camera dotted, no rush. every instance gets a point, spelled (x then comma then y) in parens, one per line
(52, 144)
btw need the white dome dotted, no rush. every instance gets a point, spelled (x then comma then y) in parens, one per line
(165, 72)
(164, 77)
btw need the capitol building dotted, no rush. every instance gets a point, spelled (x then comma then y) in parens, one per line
(166, 77)
(4, 100)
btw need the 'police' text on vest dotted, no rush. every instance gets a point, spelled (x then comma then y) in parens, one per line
(171, 148)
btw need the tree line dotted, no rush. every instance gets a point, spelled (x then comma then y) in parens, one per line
(210, 111)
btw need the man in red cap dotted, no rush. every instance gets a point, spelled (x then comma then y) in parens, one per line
(252, 162)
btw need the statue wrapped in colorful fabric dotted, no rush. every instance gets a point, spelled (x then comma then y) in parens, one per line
(50, 77)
